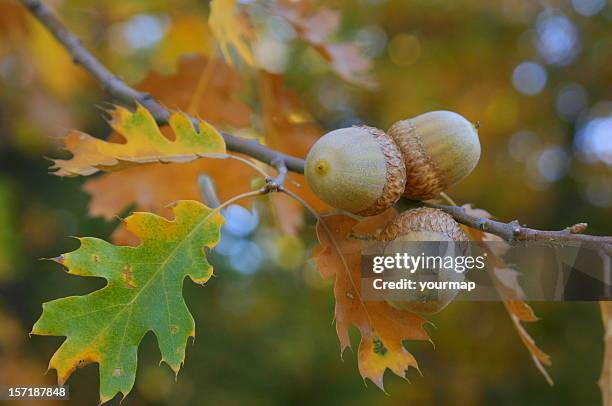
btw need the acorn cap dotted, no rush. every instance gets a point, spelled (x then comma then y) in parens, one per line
(440, 148)
(359, 169)
(430, 223)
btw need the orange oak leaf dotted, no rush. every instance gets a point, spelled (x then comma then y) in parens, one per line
(153, 188)
(383, 328)
(204, 87)
(506, 283)
(289, 129)
(315, 28)
(13, 24)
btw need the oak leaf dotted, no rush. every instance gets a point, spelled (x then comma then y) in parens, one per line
(315, 28)
(203, 87)
(383, 328)
(152, 187)
(506, 282)
(289, 129)
(144, 144)
(143, 293)
(231, 29)
(187, 34)
(14, 27)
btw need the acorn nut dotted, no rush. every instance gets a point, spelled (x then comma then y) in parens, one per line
(358, 169)
(440, 148)
(411, 232)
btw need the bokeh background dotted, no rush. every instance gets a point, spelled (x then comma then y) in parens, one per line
(537, 75)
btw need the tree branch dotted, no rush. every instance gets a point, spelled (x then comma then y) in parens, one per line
(515, 232)
(119, 90)
(127, 95)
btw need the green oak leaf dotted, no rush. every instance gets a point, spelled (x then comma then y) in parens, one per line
(143, 293)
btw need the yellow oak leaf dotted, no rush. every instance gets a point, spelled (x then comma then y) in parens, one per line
(144, 143)
(231, 29)
(187, 34)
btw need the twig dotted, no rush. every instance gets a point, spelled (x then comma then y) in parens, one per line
(208, 191)
(118, 89)
(514, 232)
(127, 95)
(277, 184)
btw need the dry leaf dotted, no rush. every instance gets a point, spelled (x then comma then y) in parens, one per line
(315, 28)
(289, 129)
(231, 29)
(13, 25)
(144, 144)
(507, 285)
(204, 87)
(154, 187)
(187, 34)
(382, 327)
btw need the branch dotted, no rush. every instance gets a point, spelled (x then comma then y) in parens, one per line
(119, 90)
(127, 95)
(514, 232)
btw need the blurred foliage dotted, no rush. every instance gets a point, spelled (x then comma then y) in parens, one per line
(537, 76)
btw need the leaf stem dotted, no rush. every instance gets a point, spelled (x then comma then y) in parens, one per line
(336, 247)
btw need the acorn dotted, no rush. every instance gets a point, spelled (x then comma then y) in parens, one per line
(432, 224)
(425, 225)
(440, 148)
(359, 169)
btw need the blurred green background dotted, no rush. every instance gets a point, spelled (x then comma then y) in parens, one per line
(536, 75)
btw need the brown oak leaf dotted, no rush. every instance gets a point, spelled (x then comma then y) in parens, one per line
(289, 129)
(506, 283)
(315, 27)
(383, 328)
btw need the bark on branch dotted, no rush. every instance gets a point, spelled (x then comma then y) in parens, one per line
(124, 94)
